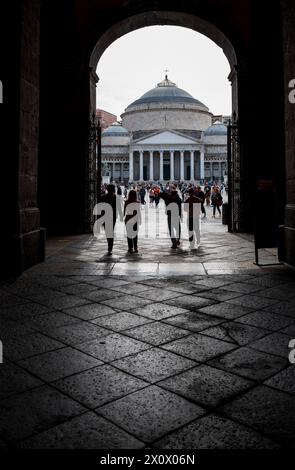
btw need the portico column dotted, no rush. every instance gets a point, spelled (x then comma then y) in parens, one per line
(122, 171)
(131, 167)
(114, 169)
(171, 165)
(151, 165)
(161, 165)
(182, 165)
(202, 165)
(192, 165)
(141, 166)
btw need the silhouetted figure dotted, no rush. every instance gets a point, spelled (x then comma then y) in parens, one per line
(115, 204)
(132, 210)
(207, 192)
(173, 216)
(216, 200)
(200, 194)
(192, 207)
(142, 193)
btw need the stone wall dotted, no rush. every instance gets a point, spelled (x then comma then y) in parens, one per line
(289, 66)
(22, 241)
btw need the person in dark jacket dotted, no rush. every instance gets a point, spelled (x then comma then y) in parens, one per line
(201, 195)
(207, 193)
(116, 206)
(192, 207)
(173, 217)
(132, 214)
(216, 200)
(142, 193)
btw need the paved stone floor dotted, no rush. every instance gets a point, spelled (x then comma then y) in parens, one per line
(185, 350)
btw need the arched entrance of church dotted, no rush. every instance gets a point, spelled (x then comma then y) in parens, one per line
(199, 25)
(65, 204)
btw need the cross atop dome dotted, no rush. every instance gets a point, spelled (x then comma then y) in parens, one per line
(166, 82)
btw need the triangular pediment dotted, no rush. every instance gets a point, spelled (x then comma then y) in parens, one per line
(166, 137)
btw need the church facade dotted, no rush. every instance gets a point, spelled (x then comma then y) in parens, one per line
(166, 135)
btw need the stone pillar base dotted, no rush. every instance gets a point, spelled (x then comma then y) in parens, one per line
(22, 252)
(290, 235)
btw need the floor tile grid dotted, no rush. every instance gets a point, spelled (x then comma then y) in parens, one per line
(266, 434)
(149, 444)
(196, 309)
(220, 413)
(122, 332)
(52, 386)
(111, 330)
(88, 408)
(217, 409)
(208, 409)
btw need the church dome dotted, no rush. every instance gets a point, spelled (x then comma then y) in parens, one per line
(116, 135)
(164, 93)
(115, 130)
(218, 128)
(166, 107)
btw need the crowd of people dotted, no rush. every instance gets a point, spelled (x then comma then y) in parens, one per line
(176, 196)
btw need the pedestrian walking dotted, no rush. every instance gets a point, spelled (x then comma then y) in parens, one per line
(157, 191)
(207, 193)
(132, 215)
(174, 214)
(217, 200)
(115, 207)
(152, 197)
(142, 193)
(201, 195)
(193, 208)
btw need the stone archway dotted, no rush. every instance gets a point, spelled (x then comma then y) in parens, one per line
(90, 27)
(49, 61)
(174, 18)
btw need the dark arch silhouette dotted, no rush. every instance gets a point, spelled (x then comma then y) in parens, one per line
(167, 18)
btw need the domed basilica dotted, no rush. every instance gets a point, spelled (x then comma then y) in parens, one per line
(166, 135)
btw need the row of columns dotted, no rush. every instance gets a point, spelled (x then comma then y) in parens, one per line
(114, 170)
(172, 176)
(214, 172)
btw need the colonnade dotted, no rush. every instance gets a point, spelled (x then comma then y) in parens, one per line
(215, 169)
(172, 164)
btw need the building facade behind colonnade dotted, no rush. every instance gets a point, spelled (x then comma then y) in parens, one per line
(166, 135)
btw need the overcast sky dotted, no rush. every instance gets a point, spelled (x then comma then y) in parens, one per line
(136, 62)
